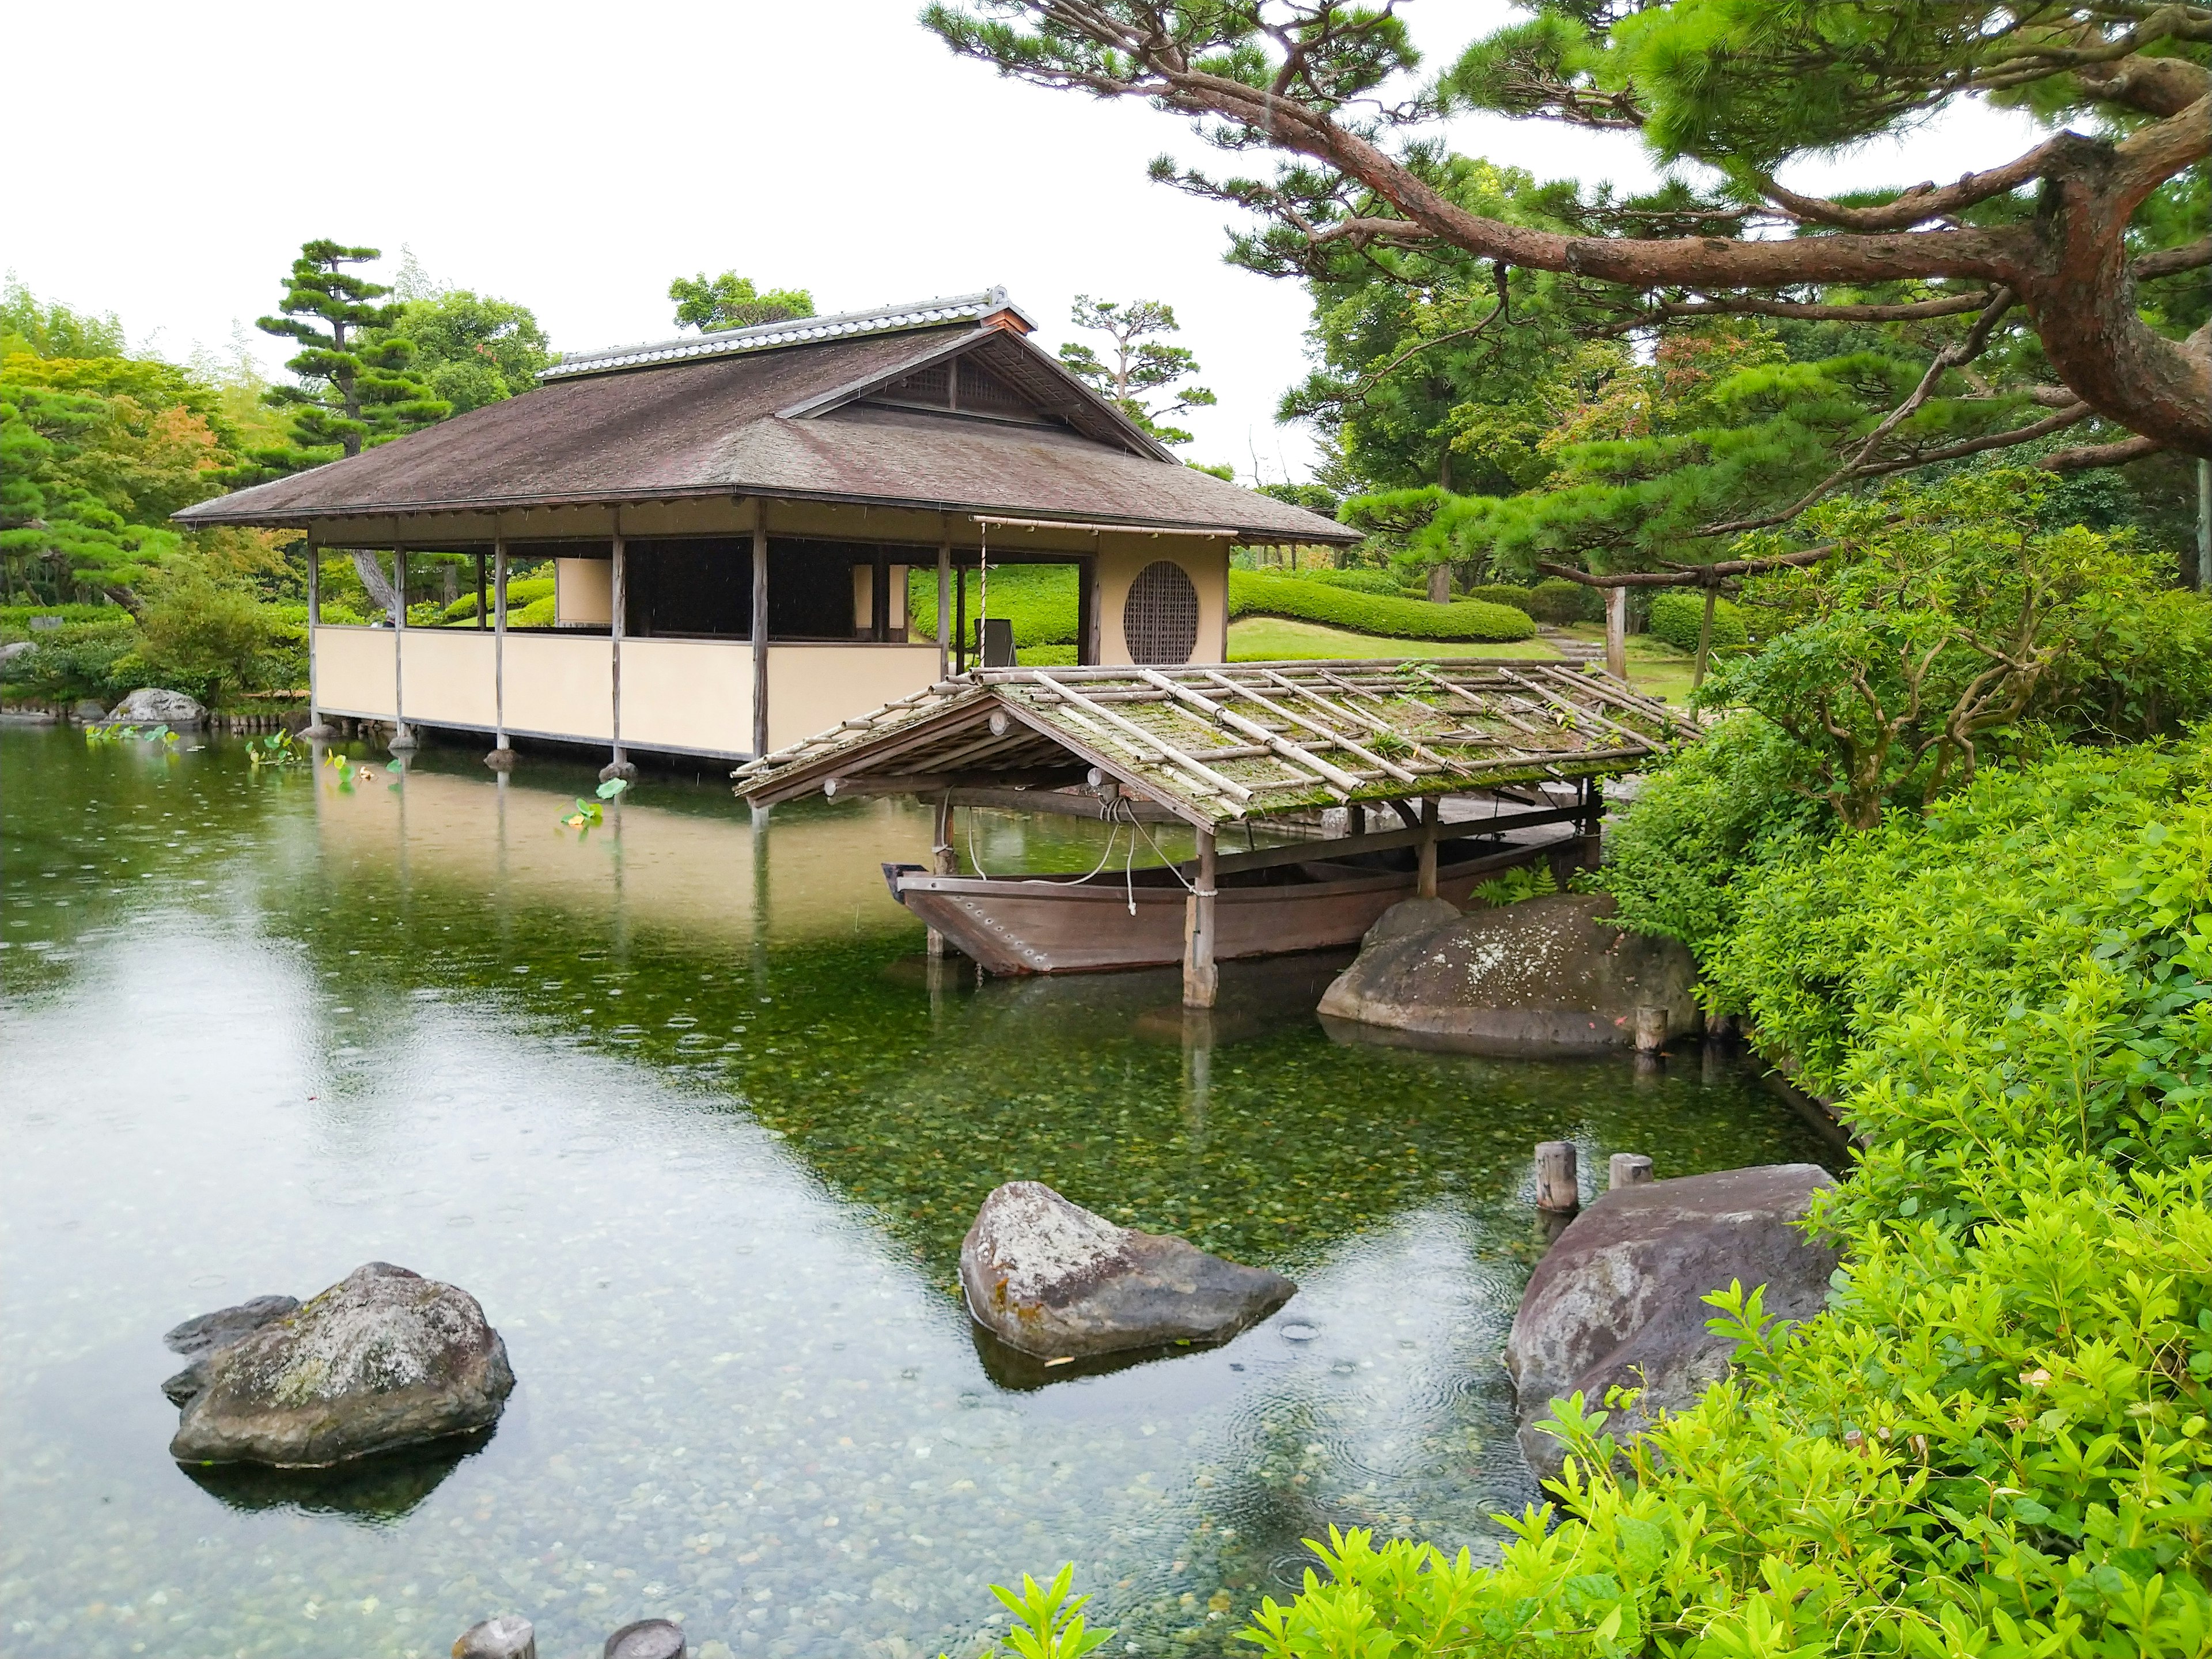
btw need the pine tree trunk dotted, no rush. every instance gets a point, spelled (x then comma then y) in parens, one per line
(370, 569)
(1439, 584)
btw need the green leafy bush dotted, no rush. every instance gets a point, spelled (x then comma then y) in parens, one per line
(1995, 1440)
(520, 593)
(1678, 856)
(1360, 578)
(15, 619)
(1678, 613)
(1252, 593)
(1556, 601)
(92, 658)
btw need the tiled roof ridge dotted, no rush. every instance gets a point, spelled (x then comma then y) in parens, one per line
(797, 330)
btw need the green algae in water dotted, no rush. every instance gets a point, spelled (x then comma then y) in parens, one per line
(691, 1116)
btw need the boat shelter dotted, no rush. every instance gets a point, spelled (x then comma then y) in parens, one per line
(1214, 746)
(740, 528)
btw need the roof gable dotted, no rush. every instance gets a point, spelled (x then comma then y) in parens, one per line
(989, 374)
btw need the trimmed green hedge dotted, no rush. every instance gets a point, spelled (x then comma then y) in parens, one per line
(1253, 593)
(1677, 613)
(1556, 601)
(520, 594)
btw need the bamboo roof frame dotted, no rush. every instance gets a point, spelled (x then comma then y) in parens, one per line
(1233, 742)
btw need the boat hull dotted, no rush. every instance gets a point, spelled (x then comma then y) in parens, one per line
(1063, 927)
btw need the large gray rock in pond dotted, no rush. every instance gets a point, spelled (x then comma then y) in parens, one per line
(1545, 977)
(382, 1359)
(156, 705)
(1618, 1300)
(1049, 1277)
(200, 1339)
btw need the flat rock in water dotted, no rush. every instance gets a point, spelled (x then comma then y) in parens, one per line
(199, 1339)
(1618, 1300)
(156, 705)
(1544, 976)
(1049, 1277)
(382, 1359)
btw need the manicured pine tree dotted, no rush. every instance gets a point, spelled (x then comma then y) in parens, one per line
(355, 390)
(353, 393)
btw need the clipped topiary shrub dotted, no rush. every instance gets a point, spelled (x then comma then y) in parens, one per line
(1557, 601)
(1677, 613)
(520, 593)
(1252, 594)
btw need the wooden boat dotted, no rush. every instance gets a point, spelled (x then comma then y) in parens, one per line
(1073, 925)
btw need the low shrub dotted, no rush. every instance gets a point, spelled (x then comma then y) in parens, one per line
(1678, 613)
(15, 619)
(519, 593)
(1360, 578)
(95, 659)
(1252, 593)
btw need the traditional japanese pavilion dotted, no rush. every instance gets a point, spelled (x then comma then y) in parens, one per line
(732, 520)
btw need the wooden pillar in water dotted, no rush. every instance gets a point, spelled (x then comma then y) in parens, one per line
(1616, 633)
(760, 629)
(502, 757)
(1201, 978)
(943, 860)
(1427, 885)
(617, 607)
(315, 727)
(401, 736)
(1559, 1187)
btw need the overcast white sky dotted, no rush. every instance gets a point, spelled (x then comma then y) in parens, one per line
(575, 158)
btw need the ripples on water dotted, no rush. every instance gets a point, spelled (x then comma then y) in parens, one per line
(684, 1107)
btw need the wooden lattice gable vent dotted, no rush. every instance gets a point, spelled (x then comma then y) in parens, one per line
(961, 385)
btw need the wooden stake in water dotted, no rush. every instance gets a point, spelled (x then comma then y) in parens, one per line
(1651, 1030)
(1558, 1189)
(1629, 1169)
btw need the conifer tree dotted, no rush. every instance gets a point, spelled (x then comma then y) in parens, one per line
(355, 388)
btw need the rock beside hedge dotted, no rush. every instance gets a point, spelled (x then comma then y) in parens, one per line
(1049, 1278)
(156, 705)
(1618, 1301)
(382, 1359)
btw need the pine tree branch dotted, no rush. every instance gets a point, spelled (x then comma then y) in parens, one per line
(1950, 305)
(1922, 203)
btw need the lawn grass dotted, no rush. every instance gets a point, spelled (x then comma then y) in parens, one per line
(1278, 639)
(1655, 667)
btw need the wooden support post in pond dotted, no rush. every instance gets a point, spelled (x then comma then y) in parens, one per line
(760, 629)
(944, 862)
(1629, 1169)
(501, 758)
(401, 736)
(1651, 1025)
(1559, 1191)
(507, 1636)
(1427, 866)
(1616, 633)
(1201, 978)
(617, 604)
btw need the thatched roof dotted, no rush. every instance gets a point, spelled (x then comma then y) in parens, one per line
(1242, 740)
(802, 412)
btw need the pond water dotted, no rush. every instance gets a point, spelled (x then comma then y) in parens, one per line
(685, 1108)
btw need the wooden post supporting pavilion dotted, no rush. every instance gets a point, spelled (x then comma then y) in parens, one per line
(944, 604)
(760, 631)
(943, 860)
(401, 736)
(501, 758)
(1616, 633)
(1426, 887)
(1201, 979)
(315, 727)
(618, 604)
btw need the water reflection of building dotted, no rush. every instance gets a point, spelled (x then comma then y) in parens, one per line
(732, 520)
(706, 875)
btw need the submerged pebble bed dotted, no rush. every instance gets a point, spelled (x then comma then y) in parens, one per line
(688, 1114)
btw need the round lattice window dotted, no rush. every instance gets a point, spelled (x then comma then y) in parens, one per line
(1159, 619)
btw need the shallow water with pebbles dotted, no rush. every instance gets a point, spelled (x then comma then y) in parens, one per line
(684, 1107)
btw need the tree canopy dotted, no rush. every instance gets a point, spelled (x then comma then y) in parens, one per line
(1140, 372)
(729, 301)
(2054, 305)
(356, 384)
(470, 349)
